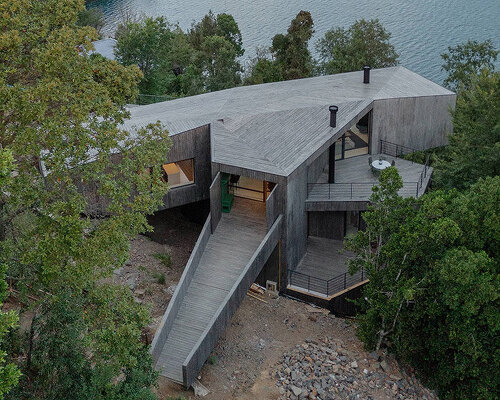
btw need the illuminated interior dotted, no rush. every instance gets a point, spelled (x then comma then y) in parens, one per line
(179, 173)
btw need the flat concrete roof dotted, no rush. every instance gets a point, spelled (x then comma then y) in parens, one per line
(275, 127)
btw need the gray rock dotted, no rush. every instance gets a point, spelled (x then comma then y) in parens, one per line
(199, 389)
(295, 390)
(384, 365)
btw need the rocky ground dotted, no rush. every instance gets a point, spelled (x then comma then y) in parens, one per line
(285, 349)
(277, 348)
(326, 369)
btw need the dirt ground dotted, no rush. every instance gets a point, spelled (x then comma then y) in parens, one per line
(260, 332)
(148, 273)
(254, 342)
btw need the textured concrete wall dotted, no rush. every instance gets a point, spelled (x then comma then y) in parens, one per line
(215, 201)
(327, 224)
(416, 122)
(180, 291)
(191, 144)
(217, 325)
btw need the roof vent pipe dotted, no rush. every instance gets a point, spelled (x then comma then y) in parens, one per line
(366, 74)
(333, 116)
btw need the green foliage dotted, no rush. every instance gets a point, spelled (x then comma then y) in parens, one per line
(165, 258)
(212, 360)
(291, 52)
(9, 373)
(93, 17)
(434, 269)
(148, 44)
(217, 42)
(88, 366)
(222, 25)
(180, 64)
(466, 61)
(263, 70)
(474, 147)
(160, 278)
(363, 43)
(60, 140)
(420, 156)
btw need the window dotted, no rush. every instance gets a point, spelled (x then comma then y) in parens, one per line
(179, 173)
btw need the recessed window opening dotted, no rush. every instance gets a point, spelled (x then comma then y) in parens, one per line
(355, 141)
(178, 173)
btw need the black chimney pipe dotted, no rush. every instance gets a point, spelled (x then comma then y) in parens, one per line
(333, 116)
(366, 74)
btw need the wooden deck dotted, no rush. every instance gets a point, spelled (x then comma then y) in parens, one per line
(323, 270)
(227, 252)
(354, 180)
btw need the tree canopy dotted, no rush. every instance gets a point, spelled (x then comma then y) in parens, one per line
(290, 51)
(366, 42)
(61, 138)
(466, 61)
(177, 63)
(474, 146)
(433, 268)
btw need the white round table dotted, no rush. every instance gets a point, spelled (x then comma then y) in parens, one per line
(381, 164)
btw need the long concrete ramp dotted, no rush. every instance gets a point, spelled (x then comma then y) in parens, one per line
(219, 272)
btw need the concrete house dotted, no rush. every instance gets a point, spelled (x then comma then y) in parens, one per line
(288, 168)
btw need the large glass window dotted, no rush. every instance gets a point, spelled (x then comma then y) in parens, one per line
(179, 173)
(355, 141)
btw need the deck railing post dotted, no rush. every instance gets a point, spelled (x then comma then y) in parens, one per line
(327, 288)
(351, 190)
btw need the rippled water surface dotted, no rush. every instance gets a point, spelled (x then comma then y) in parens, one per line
(421, 29)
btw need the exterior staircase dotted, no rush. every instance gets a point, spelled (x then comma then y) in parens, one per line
(222, 267)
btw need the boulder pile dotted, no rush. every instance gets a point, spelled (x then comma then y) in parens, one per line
(325, 370)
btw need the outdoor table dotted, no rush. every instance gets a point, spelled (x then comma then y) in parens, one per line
(381, 164)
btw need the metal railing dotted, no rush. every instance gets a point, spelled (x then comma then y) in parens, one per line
(323, 286)
(353, 191)
(394, 149)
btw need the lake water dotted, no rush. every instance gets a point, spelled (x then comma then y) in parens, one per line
(421, 29)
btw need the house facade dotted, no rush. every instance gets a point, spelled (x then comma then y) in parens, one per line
(288, 168)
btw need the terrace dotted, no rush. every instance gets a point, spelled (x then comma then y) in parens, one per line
(354, 180)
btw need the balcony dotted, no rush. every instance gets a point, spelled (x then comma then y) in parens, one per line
(354, 180)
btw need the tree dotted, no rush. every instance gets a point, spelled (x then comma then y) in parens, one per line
(263, 69)
(218, 60)
(217, 43)
(291, 51)
(9, 373)
(148, 43)
(474, 146)
(60, 117)
(391, 286)
(434, 269)
(466, 61)
(222, 25)
(363, 43)
(93, 17)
